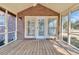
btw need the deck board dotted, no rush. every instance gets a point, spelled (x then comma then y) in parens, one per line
(34, 47)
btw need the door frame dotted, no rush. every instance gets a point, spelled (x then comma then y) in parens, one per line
(37, 27)
(26, 28)
(36, 31)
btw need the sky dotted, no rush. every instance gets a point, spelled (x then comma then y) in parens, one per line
(75, 16)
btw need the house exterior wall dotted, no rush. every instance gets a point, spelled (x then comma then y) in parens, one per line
(38, 10)
(20, 29)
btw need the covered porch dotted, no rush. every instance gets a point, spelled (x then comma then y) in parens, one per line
(40, 29)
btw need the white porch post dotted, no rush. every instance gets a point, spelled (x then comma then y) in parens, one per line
(16, 29)
(62, 28)
(46, 27)
(6, 28)
(60, 35)
(69, 28)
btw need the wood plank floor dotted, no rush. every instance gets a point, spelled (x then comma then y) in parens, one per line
(36, 47)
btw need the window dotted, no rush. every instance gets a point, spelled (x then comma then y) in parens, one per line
(11, 27)
(31, 27)
(52, 27)
(41, 26)
(2, 27)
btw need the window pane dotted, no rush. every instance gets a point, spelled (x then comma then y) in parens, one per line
(11, 36)
(75, 20)
(2, 18)
(2, 29)
(11, 23)
(75, 40)
(52, 27)
(31, 27)
(41, 27)
(2, 38)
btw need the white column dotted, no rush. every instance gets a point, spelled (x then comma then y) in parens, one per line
(61, 29)
(25, 26)
(46, 27)
(16, 29)
(36, 27)
(69, 28)
(61, 32)
(6, 28)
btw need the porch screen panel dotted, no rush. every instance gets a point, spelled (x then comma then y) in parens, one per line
(65, 28)
(11, 27)
(74, 35)
(2, 27)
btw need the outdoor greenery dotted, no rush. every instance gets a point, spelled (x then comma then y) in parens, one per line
(65, 39)
(75, 25)
(65, 25)
(75, 42)
(1, 42)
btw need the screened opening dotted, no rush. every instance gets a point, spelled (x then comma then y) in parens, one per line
(74, 19)
(65, 28)
(75, 41)
(11, 27)
(2, 28)
(70, 28)
(7, 27)
(65, 38)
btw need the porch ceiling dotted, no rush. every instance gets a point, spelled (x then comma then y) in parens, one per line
(17, 7)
